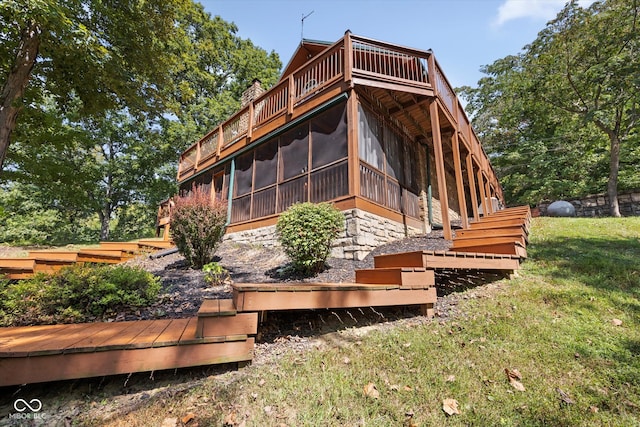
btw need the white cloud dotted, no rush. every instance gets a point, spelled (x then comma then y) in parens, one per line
(543, 10)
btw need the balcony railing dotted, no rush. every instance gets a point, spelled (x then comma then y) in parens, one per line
(351, 57)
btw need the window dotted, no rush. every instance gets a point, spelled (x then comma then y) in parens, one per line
(329, 136)
(369, 144)
(294, 152)
(266, 165)
(244, 174)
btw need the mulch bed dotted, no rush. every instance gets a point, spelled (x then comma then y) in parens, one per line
(183, 288)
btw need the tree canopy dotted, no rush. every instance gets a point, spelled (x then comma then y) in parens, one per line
(98, 100)
(561, 118)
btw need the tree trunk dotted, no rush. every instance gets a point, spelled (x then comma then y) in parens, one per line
(105, 216)
(614, 167)
(16, 84)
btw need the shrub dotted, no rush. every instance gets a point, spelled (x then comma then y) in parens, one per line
(215, 274)
(197, 226)
(76, 294)
(306, 231)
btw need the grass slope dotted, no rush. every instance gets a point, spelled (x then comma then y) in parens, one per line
(569, 325)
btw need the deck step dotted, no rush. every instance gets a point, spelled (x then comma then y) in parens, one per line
(156, 244)
(468, 242)
(131, 247)
(219, 318)
(507, 248)
(54, 255)
(51, 265)
(306, 296)
(17, 268)
(407, 277)
(449, 260)
(107, 256)
(516, 233)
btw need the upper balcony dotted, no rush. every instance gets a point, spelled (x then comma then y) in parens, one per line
(406, 74)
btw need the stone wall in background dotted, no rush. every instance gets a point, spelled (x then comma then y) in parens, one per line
(363, 232)
(598, 205)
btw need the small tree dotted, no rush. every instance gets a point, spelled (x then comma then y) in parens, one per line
(197, 226)
(306, 231)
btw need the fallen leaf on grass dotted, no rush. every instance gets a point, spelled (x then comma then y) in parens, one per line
(370, 390)
(616, 322)
(450, 407)
(565, 398)
(231, 420)
(514, 377)
(188, 418)
(169, 422)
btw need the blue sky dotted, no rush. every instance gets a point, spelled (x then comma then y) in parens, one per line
(464, 34)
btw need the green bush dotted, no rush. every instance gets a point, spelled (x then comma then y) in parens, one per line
(306, 231)
(76, 294)
(197, 226)
(215, 274)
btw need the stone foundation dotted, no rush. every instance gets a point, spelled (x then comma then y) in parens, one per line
(363, 232)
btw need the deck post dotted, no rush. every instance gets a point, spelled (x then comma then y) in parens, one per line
(220, 141)
(232, 174)
(472, 187)
(483, 196)
(348, 59)
(440, 171)
(455, 144)
(488, 193)
(352, 144)
(292, 96)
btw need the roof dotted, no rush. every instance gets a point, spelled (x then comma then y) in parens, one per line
(306, 50)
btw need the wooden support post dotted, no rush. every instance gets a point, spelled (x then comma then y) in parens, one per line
(440, 172)
(250, 122)
(472, 187)
(488, 193)
(352, 141)
(483, 196)
(462, 202)
(348, 59)
(220, 141)
(292, 96)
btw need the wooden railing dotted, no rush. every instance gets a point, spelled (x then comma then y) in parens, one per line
(330, 183)
(389, 62)
(319, 73)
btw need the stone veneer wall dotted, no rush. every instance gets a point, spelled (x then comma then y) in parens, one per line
(598, 205)
(363, 232)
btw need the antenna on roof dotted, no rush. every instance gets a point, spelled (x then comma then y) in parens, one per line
(302, 24)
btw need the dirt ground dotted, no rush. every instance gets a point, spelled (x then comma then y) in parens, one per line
(183, 290)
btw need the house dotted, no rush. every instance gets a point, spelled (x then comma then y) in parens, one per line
(373, 127)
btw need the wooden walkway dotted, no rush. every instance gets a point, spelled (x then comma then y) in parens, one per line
(224, 330)
(49, 261)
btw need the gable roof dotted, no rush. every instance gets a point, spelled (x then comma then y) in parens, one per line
(306, 50)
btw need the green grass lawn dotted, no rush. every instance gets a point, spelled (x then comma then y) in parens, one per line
(569, 324)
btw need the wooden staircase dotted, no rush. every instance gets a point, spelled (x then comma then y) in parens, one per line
(49, 261)
(502, 232)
